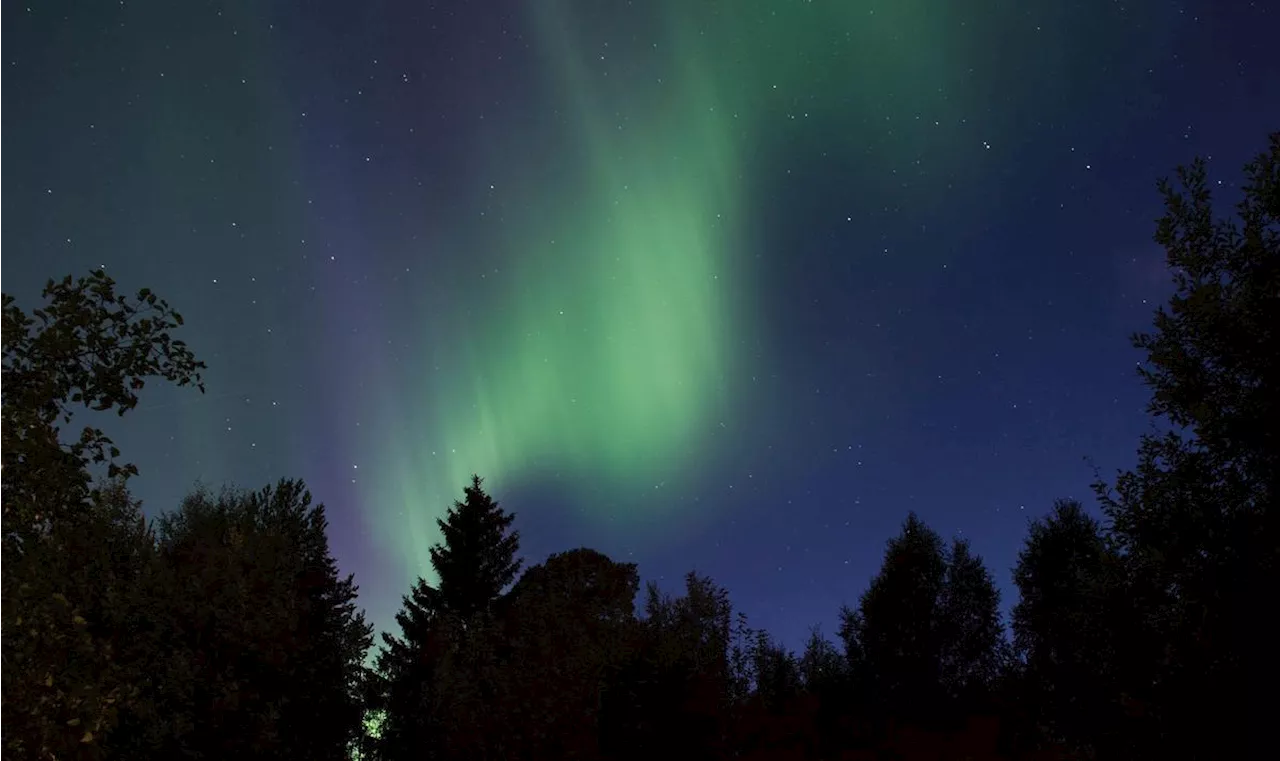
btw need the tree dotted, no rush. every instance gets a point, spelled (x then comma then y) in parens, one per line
(776, 718)
(971, 633)
(261, 646)
(822, 667)
(777, 672)
(467, 689)
(1068, 628)
(858, 678)
(897, 626)
(88, 347)
(567, 633)
(474, 563)
(78, 624)
(399, 690)
(675, 693)
(477, 559)
(825, 673)
(1196, 520)
(927, 640)
(75, 554)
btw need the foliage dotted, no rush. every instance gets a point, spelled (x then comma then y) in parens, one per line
(1065, 629)
(76, 556)
(567, 630)
(90, 348)
(674, 692)
(898, 620)
(926, 642)
(1196, 519)
(971, 633)
(263, 628)
(76, 618)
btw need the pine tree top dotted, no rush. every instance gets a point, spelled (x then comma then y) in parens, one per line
(477, 558)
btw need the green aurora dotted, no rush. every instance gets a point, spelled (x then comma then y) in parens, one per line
(604, 347)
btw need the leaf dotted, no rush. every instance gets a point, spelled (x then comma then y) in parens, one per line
(88, 737)
(48, 680)
(73, 723)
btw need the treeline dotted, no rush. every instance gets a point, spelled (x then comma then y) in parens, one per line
(224, 629)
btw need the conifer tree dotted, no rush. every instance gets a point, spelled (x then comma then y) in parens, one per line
(408, 689)
(477, 559)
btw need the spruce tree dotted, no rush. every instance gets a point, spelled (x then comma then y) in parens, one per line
(475, 561)
(398, 690)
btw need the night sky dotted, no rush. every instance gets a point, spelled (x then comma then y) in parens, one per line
(730, 286)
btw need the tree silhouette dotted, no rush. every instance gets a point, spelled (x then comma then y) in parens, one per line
(75, 555)
(1196, 519)
(674, 694)
(971, 632)
(477, 559)
(927, 642)
(87, 347)
(431, 671)
(822, 667)
(78, 627)
(897, 627)
(858, 677)
(1069, 629)
(264, 648)
(777, 673)
(398, 692)
(776, 718)
(568, 631)
(827, 679)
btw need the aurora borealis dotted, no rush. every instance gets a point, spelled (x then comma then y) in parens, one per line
(719, 284)
(629, 291)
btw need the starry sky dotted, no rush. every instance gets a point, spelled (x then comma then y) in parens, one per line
(720, 285)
